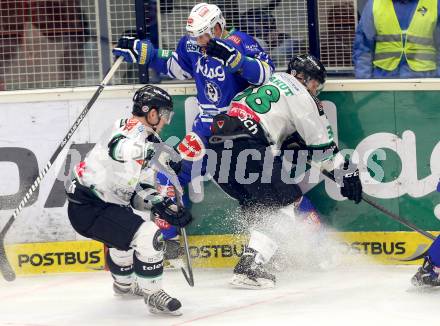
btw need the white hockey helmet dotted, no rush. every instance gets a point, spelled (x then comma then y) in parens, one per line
(203, 18)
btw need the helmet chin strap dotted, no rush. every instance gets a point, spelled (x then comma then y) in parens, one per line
(151, 124)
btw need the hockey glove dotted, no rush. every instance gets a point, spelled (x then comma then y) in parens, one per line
(168, 211)
(135, 50)
(228, 56)
(351, 183)
(170, 161)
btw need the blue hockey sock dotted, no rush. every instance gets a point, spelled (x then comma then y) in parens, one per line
(434, 252)
(307, 210)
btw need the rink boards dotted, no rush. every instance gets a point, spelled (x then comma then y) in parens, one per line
(214, 251)
(399, 117)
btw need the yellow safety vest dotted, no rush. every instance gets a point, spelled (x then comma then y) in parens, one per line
(416, 43)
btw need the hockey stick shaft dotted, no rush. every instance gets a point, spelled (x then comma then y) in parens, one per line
(393, 216)
(5, 268)
(188, 276)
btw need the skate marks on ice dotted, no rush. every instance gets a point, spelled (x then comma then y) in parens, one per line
(359, 295)
(341, 292)
(302, 245)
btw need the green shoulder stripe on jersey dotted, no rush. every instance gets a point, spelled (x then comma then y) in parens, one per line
(113, 143)
(231, 31)
(123, 123)
(164, 54)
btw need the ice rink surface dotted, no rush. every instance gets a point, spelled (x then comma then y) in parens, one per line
(359, 295)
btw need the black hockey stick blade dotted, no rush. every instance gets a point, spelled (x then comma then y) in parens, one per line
(188, 276)
(421, 252)
(393, 216)
(6, 269)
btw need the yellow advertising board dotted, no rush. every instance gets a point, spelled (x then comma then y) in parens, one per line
(211, 251)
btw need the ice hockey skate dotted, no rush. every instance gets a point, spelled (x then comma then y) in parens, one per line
(248, 274)
(160, 302)
(427, 275)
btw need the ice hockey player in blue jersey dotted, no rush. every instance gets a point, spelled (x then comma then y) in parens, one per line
(429, 273)
(222, 63)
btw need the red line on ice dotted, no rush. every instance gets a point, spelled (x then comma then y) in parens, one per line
(236, 308)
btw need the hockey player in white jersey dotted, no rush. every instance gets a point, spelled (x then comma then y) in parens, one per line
(267, 122)
(117, 176)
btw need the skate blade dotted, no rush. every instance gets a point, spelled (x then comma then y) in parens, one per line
(127, 296)
(156, 311)
(240, 281)
(132, 294)
(423, 286)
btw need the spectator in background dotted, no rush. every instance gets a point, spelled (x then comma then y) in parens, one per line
(337, 34)
(262, 25)
(398, 39)
(42, 43)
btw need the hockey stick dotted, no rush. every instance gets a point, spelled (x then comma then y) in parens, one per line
(330, 175)
(395, 217)
(188, 276)
(5, 267)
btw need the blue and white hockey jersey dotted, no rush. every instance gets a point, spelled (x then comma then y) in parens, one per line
(216, 87)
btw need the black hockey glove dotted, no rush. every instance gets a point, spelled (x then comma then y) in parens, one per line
(168, 211)
(351, 183)
(135, 50)
(126, 49)
(228, 56)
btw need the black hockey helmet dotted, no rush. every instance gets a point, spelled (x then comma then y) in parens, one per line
(152, 97)
(309, 66)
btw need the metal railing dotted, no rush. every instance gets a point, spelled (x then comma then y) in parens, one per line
(67, 43)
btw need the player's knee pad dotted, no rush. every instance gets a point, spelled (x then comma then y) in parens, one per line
(120, 264)
(120, 257)
(148, 242)
(306, 212)
(148, 256)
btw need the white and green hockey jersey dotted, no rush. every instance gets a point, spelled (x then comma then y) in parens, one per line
(115, 166)
(282, 107)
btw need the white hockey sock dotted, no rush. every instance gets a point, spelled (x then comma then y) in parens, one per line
(148, 257)
(120, 264)
(264, 245)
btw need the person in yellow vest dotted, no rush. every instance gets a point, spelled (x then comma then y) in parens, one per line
(398, 39)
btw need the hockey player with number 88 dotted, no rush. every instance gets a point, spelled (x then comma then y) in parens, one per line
(282, 115)
(222, 63)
